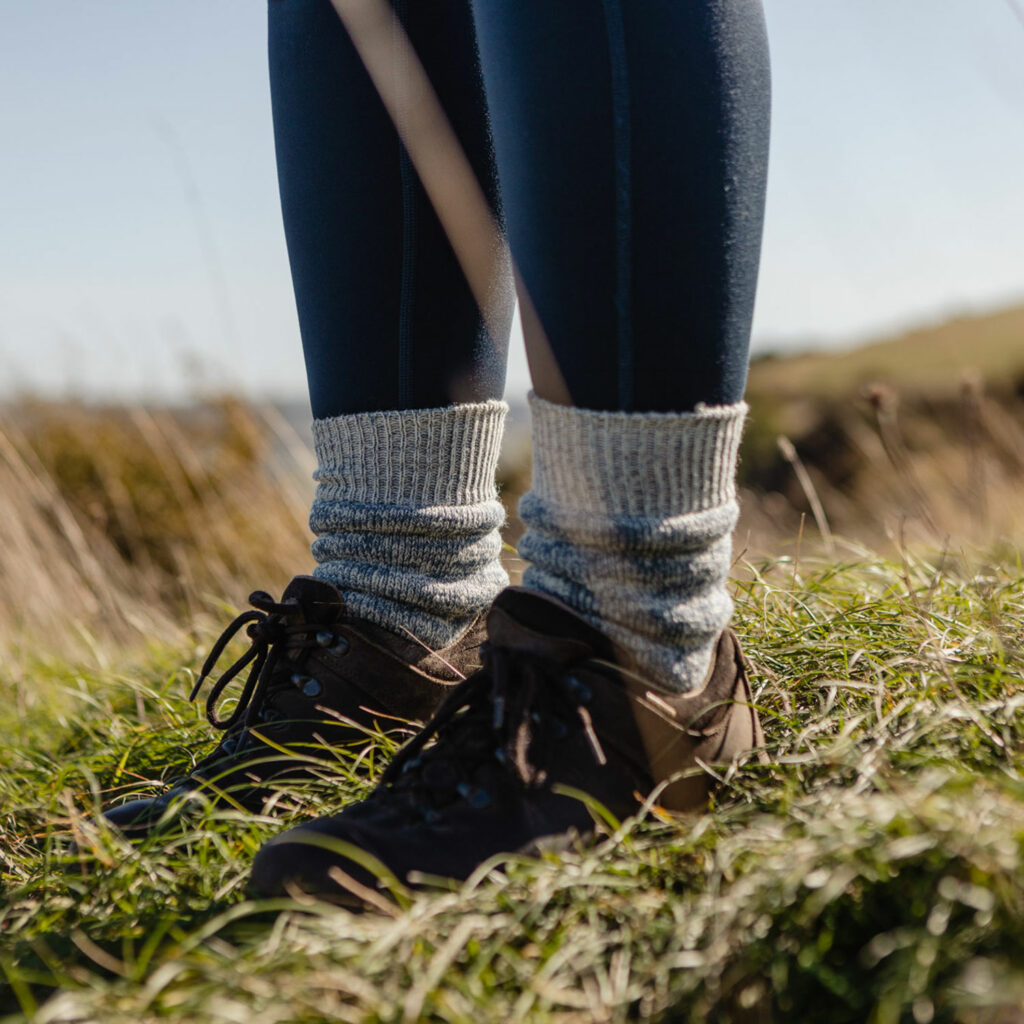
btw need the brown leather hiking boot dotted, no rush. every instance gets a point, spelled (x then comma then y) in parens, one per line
(550, 712)
(317, 679)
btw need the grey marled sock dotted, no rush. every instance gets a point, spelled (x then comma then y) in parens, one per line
(629, 521)
(407, 517)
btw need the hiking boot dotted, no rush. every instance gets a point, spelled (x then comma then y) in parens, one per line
(318, 679)
(549, 713)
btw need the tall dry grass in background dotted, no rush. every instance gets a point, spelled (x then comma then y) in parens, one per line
(887, 466)
(122, 521)
(917, 438)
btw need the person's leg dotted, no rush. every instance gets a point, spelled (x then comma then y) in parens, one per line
(636, 233)
(632, 142)
(404, 378)
(405, 386)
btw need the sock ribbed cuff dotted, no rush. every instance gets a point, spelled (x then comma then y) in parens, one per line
(415, 458)
(646, 464)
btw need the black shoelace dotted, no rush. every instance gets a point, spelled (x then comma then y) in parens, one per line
(498, 724)
(271, 626)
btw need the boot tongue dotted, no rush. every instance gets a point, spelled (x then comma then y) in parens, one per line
(319, 601)
(534, 623)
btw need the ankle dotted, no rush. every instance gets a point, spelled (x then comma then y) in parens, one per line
(629, 522)
(407, 518)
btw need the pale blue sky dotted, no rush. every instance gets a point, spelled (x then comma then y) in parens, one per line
(141, 237)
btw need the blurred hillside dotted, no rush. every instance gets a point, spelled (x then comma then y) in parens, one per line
(926, 360)
(919, 435)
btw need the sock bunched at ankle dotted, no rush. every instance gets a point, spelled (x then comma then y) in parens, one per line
(407, 517)
(629, 521)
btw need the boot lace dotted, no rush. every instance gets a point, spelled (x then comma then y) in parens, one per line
(273, 627)
(496, 728)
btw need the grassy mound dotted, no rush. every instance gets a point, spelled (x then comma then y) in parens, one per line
(871, 872)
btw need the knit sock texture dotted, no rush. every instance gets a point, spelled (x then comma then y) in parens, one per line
(407, 517)
(629, 522)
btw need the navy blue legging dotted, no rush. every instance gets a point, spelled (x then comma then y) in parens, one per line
(631, 137)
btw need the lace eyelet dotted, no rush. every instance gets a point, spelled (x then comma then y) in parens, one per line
(307, 684)
(340, 648)
(325, 638)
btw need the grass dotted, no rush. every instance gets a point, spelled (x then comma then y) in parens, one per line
(122, 521)
(871, 872)
(920, 435)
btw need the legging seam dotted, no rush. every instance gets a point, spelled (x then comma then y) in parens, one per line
(622, 144)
